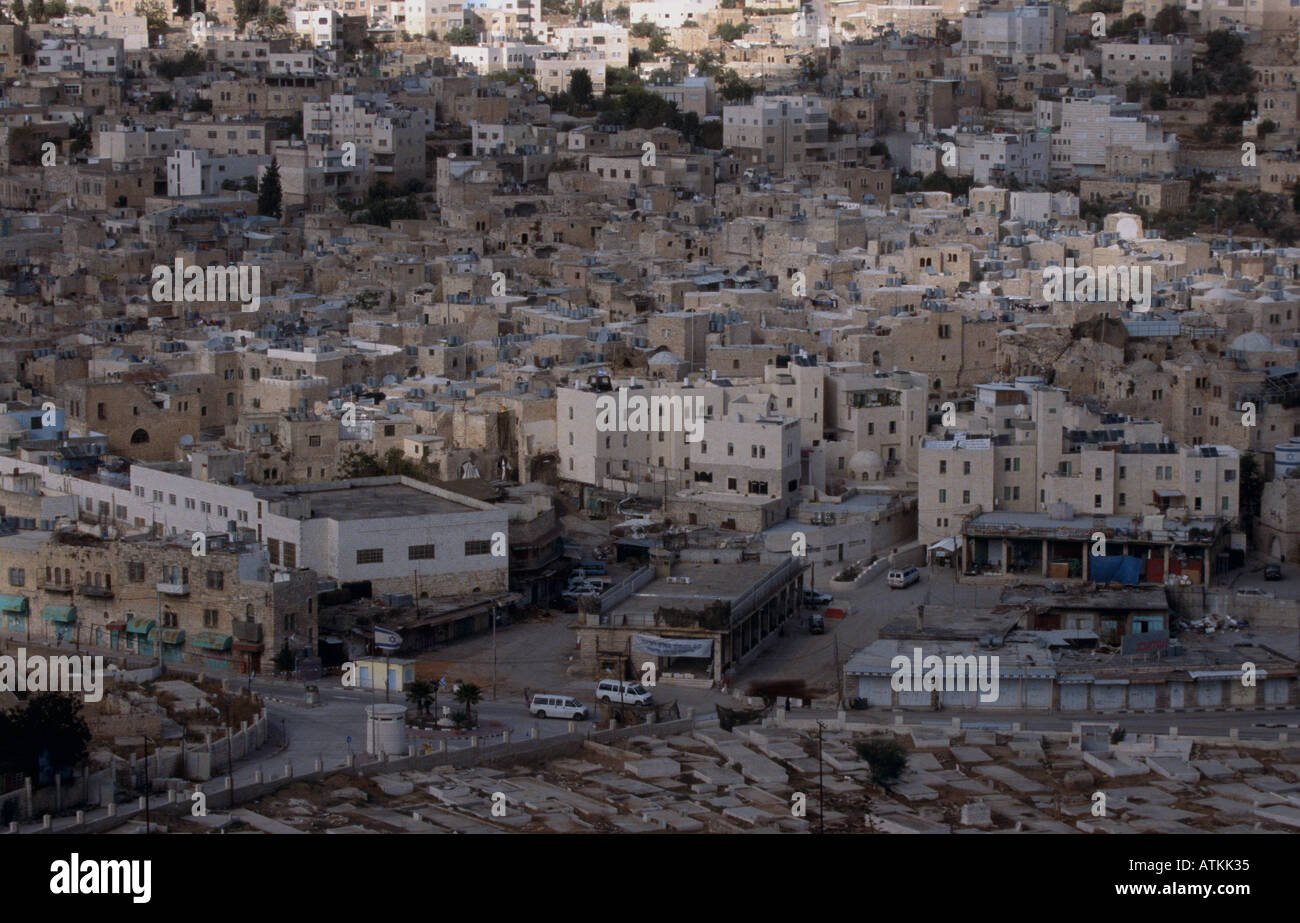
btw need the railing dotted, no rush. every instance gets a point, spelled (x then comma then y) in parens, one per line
(621, 591)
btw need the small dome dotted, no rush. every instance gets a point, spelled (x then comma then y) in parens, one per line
(866, 465)
(1252, 342)
(664, 358)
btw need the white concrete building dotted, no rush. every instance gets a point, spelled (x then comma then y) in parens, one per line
(1038, 27)
(200, 173)
(671, 14)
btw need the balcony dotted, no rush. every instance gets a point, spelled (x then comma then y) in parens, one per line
(95, 592)
(47, 587)
(174, 589)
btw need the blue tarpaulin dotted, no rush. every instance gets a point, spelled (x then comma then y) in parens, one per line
(1115, 568)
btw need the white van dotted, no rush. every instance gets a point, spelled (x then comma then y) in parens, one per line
(897, 579)
(557, 706)
(622, 692)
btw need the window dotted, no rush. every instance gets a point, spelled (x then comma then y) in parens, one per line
(313, 441)
(943, 496)
(419, 552)
(943, 467)
(1096, 501)
(290, 554)
(477, 548)
(210, 618)
(17, 576)
(965, 467)
(216, 580)
(1229, 476)
(965, 496)
(1096, 476)
(135, 571)
(370, 556)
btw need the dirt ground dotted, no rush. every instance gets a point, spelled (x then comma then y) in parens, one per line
(535, 654)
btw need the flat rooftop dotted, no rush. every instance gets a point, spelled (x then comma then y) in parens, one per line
(709, 583)
(372, 501)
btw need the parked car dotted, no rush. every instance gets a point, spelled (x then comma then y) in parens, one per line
(813, 599)
(1254, 591)
(904, 577)
(1272, 571)
(622, 692)
(816, 624)
(546, 705)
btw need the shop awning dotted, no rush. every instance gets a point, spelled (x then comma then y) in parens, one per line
(248, 647)
(59, 613)
(139, 625)
(173, 636)
(211, 641)
(16, 604)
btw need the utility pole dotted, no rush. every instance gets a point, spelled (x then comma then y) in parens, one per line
(821, 787)
(148, 828)
(494, 651)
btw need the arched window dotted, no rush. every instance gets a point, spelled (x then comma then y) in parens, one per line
(139, 436)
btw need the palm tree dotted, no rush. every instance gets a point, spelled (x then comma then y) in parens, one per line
(469, 695)
(421, 694)
(274, 21)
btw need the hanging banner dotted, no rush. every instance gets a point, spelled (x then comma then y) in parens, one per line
(673, 647)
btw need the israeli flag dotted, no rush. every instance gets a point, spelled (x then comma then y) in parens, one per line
(387, 640)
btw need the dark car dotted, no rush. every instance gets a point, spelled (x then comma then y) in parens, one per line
(1272, 571)
(816, 624)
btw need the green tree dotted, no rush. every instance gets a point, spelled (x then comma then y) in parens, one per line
(56, 9)
(273, 21)
(268, 192)
(246, 11)
(46, 727)
(469, 695)
(580, 87)
(422, 694)
(730, 32)
(156, 16)
(1169, 20)
(36, 10)
(79, 135)
(461, 35)
(1252, 486)
(885, 756)
(19, 11)
(734, 89)
(187, 65)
